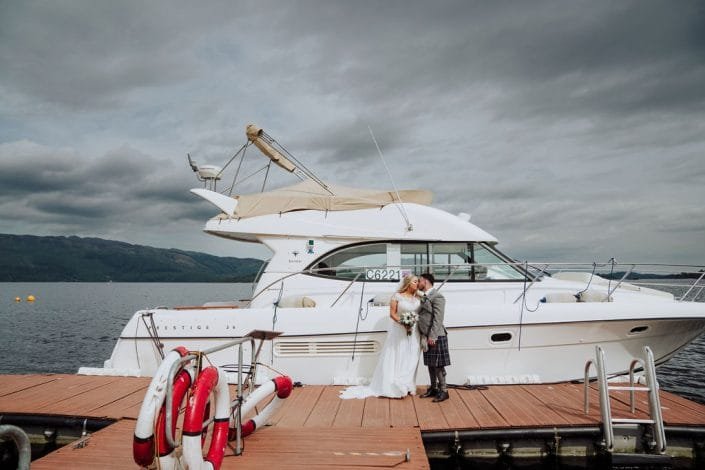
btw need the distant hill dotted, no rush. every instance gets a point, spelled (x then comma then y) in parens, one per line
(27, 258)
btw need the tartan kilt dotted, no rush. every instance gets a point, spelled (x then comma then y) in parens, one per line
(437, 356)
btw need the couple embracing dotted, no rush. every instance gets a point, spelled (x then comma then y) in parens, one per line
(415, 323)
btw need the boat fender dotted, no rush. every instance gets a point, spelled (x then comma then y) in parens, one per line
(282, 385)
(211, 379)
(296, 301)
(143, 449)
(592, 296)
(559, 297)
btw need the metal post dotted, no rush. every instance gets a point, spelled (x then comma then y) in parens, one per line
(631, 382)
(586, 386)
(654, 400)
(604, 399)
(238, 417)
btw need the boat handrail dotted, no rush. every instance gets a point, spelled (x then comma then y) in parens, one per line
(693, 286)
(522, 267)
(362, 269)
(346, 288)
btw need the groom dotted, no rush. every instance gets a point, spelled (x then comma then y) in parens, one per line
(433, 338)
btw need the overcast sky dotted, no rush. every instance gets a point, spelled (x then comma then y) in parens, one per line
(572, 131)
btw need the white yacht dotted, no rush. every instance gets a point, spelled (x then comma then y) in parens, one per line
(338, 255)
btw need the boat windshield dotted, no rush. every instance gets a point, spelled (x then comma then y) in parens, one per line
(390, 261)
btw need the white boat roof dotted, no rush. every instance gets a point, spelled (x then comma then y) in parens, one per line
(385, 223)
(308, 195)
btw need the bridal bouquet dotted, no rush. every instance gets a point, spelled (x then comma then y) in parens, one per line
(408, 319)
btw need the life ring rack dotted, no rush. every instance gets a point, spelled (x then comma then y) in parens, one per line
(201, 391)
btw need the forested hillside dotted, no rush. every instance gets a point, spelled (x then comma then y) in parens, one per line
(54, 259)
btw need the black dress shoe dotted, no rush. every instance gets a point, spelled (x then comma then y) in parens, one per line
(430, 392)
(442, 396)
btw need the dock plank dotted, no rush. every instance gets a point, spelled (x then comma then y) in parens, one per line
(566, 401)
(402, 414)
(349, 413)
(296, 413)
(317, 414)
(326, 408)
(520, 409)
(107, 449)
(46, 397)
(18, 383)
(340, 448)
(456, 412)
(484, 413)
(376, 413)
(102, 397)
(126, 407)
(678, 411)
(429, 414)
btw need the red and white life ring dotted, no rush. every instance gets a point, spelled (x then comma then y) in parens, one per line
(167, 457)
(282, 385)
(211, 379)
(143, 449)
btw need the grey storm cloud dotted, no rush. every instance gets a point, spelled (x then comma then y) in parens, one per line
(564, 128)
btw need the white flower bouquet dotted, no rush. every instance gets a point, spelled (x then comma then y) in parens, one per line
(409, 319)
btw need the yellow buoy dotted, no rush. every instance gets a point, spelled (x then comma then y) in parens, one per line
(17, 299)
(30, 298)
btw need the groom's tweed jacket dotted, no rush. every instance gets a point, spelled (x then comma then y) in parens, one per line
(431, 315)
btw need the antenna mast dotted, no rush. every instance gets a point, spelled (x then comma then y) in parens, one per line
(400, 204)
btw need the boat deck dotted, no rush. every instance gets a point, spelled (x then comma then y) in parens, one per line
(316, 428)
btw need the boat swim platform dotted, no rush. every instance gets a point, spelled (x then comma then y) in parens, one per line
(314, 427)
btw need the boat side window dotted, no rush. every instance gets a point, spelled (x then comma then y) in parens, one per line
(451, 259)
(414, 258)
(370, 260)
(491, 265)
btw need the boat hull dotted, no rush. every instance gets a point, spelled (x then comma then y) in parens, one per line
(541, 350)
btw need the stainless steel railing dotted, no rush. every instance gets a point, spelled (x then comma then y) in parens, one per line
(236, 404)
(530, 272)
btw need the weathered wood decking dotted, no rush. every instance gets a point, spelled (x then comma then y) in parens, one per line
(316, 428)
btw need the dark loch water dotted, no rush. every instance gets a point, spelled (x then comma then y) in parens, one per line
(76, 324)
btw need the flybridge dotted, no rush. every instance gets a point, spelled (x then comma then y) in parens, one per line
(311, 193)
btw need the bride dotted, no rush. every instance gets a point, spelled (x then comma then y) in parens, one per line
(395, 374)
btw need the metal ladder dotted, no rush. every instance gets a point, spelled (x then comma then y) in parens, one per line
(652, 387)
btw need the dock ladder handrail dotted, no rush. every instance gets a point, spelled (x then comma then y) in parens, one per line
(652, 387)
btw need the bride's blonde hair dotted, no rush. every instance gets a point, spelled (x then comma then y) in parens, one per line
(405, 282)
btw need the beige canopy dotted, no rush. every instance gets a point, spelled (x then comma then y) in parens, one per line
(309, 195)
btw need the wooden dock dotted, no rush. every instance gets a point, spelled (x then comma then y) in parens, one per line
(316, 428)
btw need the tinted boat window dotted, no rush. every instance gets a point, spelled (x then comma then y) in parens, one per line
(414, 258)
(451, 259)
(493, 267)
(348, 263)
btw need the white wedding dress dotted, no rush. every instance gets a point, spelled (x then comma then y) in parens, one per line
(395, 374)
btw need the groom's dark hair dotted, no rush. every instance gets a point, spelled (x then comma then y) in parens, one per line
(429, 277)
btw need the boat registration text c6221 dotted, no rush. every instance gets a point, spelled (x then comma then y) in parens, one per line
(382, 274)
